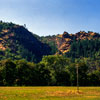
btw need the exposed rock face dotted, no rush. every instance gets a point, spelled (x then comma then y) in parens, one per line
(64, 41)
(66, 35)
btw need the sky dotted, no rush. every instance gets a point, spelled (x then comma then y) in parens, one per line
(51, 17)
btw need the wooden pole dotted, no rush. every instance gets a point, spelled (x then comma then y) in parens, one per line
(77, 78)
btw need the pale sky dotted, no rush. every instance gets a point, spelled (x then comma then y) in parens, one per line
(49, 17)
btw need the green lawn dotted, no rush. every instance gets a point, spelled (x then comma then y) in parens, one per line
(49, 93)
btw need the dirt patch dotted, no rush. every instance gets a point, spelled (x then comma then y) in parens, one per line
(2, 47)
(63, 93)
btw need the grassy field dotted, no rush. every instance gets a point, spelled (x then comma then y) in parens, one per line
(49, 93)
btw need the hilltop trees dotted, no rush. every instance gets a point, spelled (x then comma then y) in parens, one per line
(84, 48)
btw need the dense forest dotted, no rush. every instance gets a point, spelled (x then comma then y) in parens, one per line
(84, 48)
(27, 59)
(51, 71)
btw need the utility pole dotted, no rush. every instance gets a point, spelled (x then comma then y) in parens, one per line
(77, 77)
(25, 25)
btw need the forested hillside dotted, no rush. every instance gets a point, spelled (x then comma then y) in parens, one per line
(28, 59)
(16, 42)
(84, 48)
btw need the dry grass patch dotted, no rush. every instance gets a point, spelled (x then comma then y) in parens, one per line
(65, 93)
(49, 93)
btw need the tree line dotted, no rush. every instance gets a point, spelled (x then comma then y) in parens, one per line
(84, 48)
(53, 70)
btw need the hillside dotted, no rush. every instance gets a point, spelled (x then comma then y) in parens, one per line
(65, 40)
(17, 42)
(70, 44)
